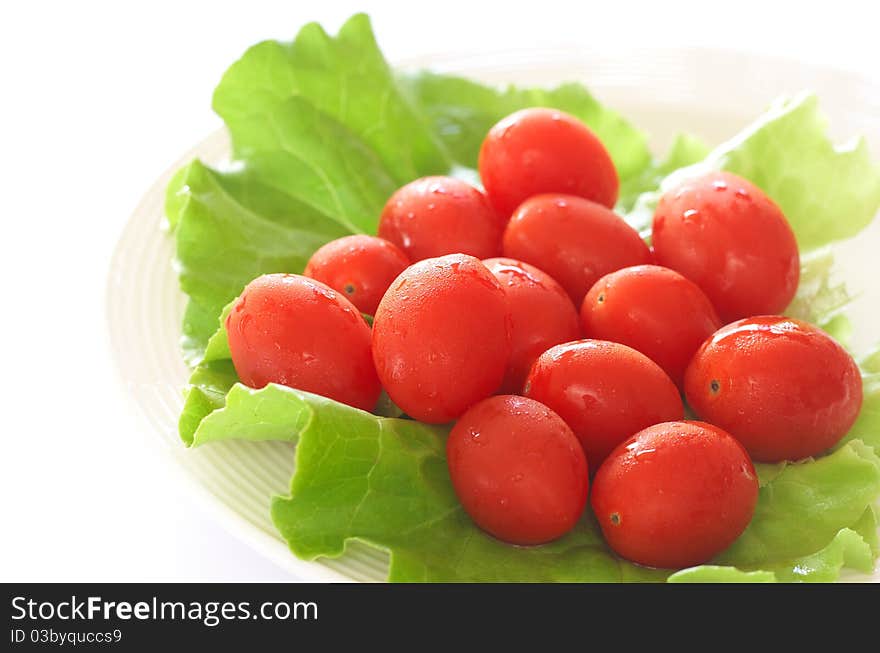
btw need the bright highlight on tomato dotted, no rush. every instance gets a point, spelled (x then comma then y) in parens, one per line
(361, 267)
(298, 332)
(675, 494)
(724, 234)
(435, 216)
(782, 387)
(537, 151)
(541, 312)
(518, 470)
(654, 310)
(441, 337)
(574, 240)
(605, 391)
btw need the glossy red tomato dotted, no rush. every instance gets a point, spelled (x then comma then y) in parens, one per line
(653, 310)
(434, 216)
(541, 312)
(782, 387)
(604, 391)
(518, 470)
(361, 267)
(441, 337)
(295, 331)
(724, 234)
(572, 239)
(537, 151)
(675, 494)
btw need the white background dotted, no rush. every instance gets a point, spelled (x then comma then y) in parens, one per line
(96, 99)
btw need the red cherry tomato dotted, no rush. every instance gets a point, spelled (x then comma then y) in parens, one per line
(724, 234)
(572, 239)
(441, 337)
(782, 387)
(655, 311)
(604, 390)
(434, 216)
(295, 331)
(675, 494)
(541, 312)
(518, 470)
(537, 151)
(361, 267)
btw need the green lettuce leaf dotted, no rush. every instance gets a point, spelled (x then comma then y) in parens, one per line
(848, 549)
(345, 78)
(805, 504)
(821, 299)
(384, 481)
(229, 228)
(462, 111)
(827, 192)
(209, 382)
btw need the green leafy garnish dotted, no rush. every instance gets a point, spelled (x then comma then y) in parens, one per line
(384, 481)
(462, 111)
(827, 192)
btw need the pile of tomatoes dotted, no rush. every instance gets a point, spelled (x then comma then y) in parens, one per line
(536, 319)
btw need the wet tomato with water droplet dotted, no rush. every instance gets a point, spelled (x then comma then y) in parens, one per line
(441, 337)
(361, 267)
(604, 390)
(654, 310)
(541, 312)
(296, 331)
(435, 216)
(784, 388)
(541, 150)
(572, 239)
(675, 494)
(518, 470)
(728, 237)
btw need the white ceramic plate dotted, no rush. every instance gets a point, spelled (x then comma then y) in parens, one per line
(709, 93)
